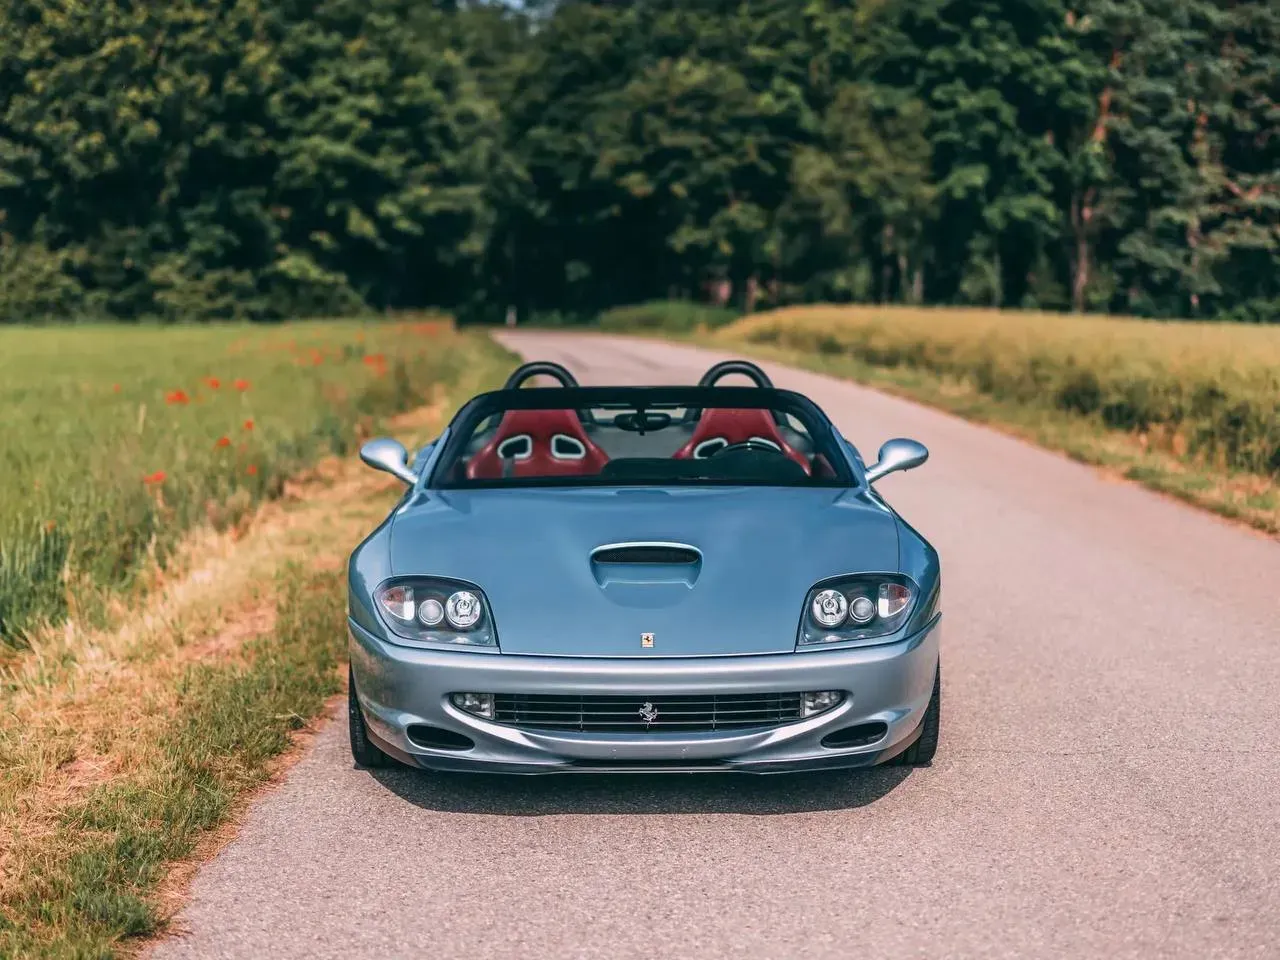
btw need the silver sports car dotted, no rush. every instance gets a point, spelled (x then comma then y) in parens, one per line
(586, 579)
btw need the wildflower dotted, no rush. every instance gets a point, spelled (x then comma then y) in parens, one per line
(50, 526)
(248, 424)
(241, 385)
(374, 360)
(176, 397)
(213, 382)
(252, 470)
(152, 479)
(115, 388)
(223, 442)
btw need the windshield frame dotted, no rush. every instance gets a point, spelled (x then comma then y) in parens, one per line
(485, 405)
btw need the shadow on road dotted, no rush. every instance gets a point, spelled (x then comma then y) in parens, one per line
(641, 793)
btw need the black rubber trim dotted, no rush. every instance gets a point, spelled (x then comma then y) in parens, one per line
(538, 368)
(727, 367)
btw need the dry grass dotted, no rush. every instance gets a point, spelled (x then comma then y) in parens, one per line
(126, 744)
(1191, 409)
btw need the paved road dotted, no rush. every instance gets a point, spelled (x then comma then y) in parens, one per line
(1108, 783)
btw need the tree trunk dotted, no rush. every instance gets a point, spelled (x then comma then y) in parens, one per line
(886, 259)
(997, 287)
(1081, 213)
(1082, 205)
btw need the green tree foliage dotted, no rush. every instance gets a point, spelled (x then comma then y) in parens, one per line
(237, 157)
(262, 158)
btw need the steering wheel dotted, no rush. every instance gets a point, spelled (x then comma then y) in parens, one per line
(725, 368)
(527, 371)
(758, 445)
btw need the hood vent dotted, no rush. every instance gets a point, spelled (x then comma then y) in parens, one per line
(657, 553)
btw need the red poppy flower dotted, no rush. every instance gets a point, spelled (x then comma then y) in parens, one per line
(241, 385)
(223, 442)
(374, 360)
(248, 424)
(177, 397)
(154, 478)
(115, 387)
(251, 470)
(213, 382)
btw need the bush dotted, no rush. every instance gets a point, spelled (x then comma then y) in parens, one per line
(671, 316)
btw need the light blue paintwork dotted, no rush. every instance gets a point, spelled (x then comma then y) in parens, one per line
(564, 624)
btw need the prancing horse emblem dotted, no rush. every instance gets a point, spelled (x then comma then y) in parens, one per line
(646, 639)
(648, 712)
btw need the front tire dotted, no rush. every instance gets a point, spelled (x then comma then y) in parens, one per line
(920, 753)
(363, 751)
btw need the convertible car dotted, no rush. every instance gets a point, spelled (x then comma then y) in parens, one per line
(687, 578)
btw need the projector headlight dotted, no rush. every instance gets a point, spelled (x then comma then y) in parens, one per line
(857, 608)
(435, 610)
(829, 608)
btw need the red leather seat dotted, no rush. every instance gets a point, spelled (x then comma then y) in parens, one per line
(738, 426)
(537, 443)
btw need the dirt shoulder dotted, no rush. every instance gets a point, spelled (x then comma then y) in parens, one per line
(128, 750)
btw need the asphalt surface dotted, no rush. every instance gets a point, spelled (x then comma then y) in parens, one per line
(1107, 785)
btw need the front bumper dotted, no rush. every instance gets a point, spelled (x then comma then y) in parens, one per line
(400, 686)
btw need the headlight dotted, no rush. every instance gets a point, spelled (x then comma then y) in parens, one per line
(829, 608)
(434, 610)
(856, 608)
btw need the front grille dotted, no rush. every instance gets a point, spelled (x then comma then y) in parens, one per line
(745, 711)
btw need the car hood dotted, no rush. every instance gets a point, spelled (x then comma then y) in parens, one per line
(530, 551)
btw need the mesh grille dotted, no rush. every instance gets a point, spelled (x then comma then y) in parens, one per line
(646, 554)
(637, 714)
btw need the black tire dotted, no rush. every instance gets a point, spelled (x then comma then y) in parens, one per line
(920, 753)
(363, 751)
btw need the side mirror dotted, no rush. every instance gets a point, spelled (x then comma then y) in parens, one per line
(390, 456)
(895, 455)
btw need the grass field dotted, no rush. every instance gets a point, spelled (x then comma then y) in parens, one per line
(118, 439)
(1192, 409)
(132, 731)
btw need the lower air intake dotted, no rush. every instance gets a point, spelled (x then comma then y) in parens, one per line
(437, 738)
(859, 735)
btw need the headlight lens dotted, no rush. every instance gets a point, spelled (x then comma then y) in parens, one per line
(431, 612)
(856, 608)
(462, 609)
(829, 608)
(434, 610)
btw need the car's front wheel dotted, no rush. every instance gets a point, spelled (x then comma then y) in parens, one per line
(920, 753)
(363, 751)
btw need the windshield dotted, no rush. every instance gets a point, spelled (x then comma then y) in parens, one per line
(640, 436)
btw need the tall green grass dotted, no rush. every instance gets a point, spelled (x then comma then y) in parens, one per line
(1208, 393)
(118, 439)
(670, 316)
